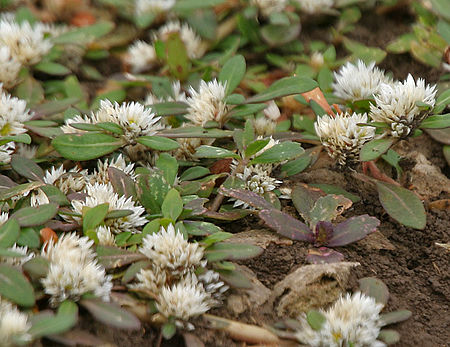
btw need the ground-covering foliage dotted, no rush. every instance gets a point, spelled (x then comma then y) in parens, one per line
(224, 172)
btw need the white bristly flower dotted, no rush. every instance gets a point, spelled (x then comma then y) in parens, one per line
(153, 6)
(354, 320)
(343, 137)
(68, 129)
(27, 151)
(74, 270)
(265, 125)
(6, 151)
(184, 300)
(177, 94)
(315, 6)
(195, 48)
(9, 68)
(14, 325)
(358, 82)
(213, 285)
(105, 236)
(26, 42)
(101, 174)
(3, 218)
(396, 105)
(17, 261)
(152, 280)
(207, 104)
(267, 7)
(99, 193)
(13, 112)
(168, 249)
(141, 56)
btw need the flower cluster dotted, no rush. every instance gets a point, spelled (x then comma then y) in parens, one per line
(267, 7)
(171, 278)
(14, 325)
(133, 117)
(74, 270)
(343, 137)
(315, 6)
(396, 105)
(354, 320)
(359, 82)
(23, 255)
(265, 125)
(141, 56)
(208, 104)
(176, 95)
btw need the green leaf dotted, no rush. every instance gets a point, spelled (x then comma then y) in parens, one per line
(44, 324)
(113, 257)
(22, 138)
(169, 166)
(159, 143)
(111, 127)
(55, 195)
(168, 330)
(441, 8)
(375, 148)
(9, 233)
(395, 317)
(442, 101)
(86, 146)
(235, 278)
(29, 237)
(296, 166)
(216, 237)
(315, 319)
(436, 122)
(389, 336)
(111, 314)
(280, 152)
(170, 108)
(37, 267)
(231, 251)
(283, 87)
(277, 35)
(205, 151)
(401, 44)
(177, 58)
(33, 216)
(255, 147)
(52, 68)
(27, 168)
(85, 35)
(327, 208)
(374, 288)
(94, 216)
(152, 189)
(190, 132)
(188, 5)
(331, 189)
(118, 94)
(402, 205)
(133, 269)
(15, 286)
(232, 73)
(194, 172)
(365, 53)
(20, 189)
(31, 91)
(172, 205)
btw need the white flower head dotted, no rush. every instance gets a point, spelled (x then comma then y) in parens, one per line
(267, 7)
(105, 236)
(177, 95)
(352, 320)
(133, 117)
(184, 300)
(100, 193)
(315, 6)
(13, 112)
(195, 48)
(358, 82)
(9, 67)
(153, 6)
(6, 151)
(68, 129)
(343, 137)
(3, 218)
(152, 280)
(101, 174)
(141, 56)
(74, 270)
(27, 151)
(213, 285)
(395, 104)
(169, 250)
(207, 104)
(26, 43)
(20, 260)
(14, 325)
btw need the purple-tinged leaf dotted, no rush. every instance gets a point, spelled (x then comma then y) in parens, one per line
(323, 233)
(228, 215)
(27, 168)
(323, 255)
(6, 182)
(253, 199)
(286, 225)
(57, 225)
(352, 230)
(375, 288)
(304, 198)
(395, 317)
(122, 183)
(77, 196)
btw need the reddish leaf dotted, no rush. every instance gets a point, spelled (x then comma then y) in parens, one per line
(353, 229)
(286, 225)
(122, 183)
(323, 233)
(253, 199)
(323, 255)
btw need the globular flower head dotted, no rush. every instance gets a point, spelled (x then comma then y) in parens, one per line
(395, 104)
(105, 236)
(177, 94)
(74, 270)
(101, 174)
(343, 137)
(13, 112)
(14, 325)
(100, 193)
(9, 68)
(18, 261)
(68, 129)
(354, 320)
(26, 42)
(184, 300)
(169, 250)
(141, 56)
(207, 104)
(195, 48)
(267, 7)
(265, 125)
(153, 6)
(358, 82)
(315, 6)
(6, 151)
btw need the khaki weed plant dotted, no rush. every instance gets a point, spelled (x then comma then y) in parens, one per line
(135, 135)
